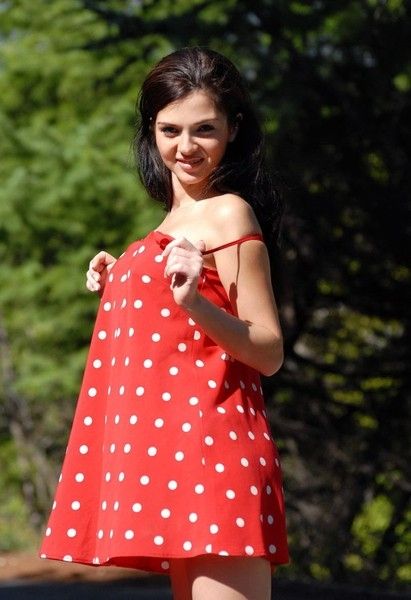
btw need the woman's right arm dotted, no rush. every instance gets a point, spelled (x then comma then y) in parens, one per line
(99, 267)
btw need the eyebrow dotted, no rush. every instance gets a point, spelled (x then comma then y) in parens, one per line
(198, 122)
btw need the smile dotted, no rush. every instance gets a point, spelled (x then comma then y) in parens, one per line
(189, 164)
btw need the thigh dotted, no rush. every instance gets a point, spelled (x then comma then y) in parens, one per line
(223, 577)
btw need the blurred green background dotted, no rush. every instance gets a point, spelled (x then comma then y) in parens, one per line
(332, 84)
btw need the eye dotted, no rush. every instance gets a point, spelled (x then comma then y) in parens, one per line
(206, 128)
(168, 130)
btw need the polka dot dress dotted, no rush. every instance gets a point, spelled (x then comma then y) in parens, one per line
(170, 452)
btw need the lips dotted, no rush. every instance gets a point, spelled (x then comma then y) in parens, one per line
(190, 164)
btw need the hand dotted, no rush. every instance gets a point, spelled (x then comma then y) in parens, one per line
(99, 267)
(184, 265)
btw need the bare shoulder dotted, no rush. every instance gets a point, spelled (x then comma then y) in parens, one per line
(231, 217)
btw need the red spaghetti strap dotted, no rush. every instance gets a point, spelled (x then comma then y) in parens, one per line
(253, 236)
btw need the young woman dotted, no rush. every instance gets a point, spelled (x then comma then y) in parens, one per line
(170, 465)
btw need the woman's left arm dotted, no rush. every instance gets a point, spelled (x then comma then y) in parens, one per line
(254, 335)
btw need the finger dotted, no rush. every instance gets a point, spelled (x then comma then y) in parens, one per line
(200, 245)
(180, 242)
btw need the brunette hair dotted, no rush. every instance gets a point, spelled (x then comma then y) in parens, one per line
(241, 170)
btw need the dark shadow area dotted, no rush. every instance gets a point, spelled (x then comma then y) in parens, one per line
(158, 589)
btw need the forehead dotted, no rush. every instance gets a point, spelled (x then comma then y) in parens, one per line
(196, 106)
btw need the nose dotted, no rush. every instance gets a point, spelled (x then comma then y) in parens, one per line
(186, 144)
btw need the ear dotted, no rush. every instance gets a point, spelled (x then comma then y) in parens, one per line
(234, 129)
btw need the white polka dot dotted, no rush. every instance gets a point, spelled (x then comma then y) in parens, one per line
(108, 476)
(137, 507)
(129, 534)
(158, 540)
(100, 534)
(54, 504)
(83, 449)
(121, 476)
(97, 363)
(208, 440)
(213, 528)
(123, 278)
(209, 548)
(42, 555)
(79, 477)
(165, 513)
(166, 396)
(193, 517)
(133, 419)
(126, 361)
(254, 490)
(144, 480)
(223, 553)
(233, 435)
(242, 384)
(179, 456)
(230, 494)
(130, 331)
(71, 532)
(268, 490)
(87, 421)
(102, 334)
(263, 462)
(191, 322)
(272, 549)
(156, 337)
(182, 347)
(173, 370)
(244, 462)
(251, 435)
(172, 485)
(107, 306)
(187, 546)
(152, 451)
(139, 390)
(270, 519)
(249, 550)
(145, 278)
(226, 385)
(159, 423)
(117, 332)
(141, 249)
(197, 335)
(224, 356)
(123, 303)
(212, 383)
(199, 488)
(121, 390)
(193, 401)
(199, 363)
(113, 361)
(254, 387)
(75, 505)
(277, 462)
(159, 258)
(164, 312)
(148, 363)
(138, 304)
(48, 531)
(165, 565)
(104, 505)
(111, 277)
(67, 558)
(240, 522)
(92, 392)
(186, 427)
(112, 448)
(111, 534)
(221, 410)
(252, 411)
(219, 467)
(240, 408)
(61, 475)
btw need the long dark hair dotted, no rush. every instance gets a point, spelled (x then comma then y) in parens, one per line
(242, 169)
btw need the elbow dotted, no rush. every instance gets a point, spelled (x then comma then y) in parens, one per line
(274, 360)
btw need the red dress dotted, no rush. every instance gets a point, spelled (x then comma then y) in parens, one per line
(170, 452)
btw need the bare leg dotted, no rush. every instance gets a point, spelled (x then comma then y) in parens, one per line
(226, 578)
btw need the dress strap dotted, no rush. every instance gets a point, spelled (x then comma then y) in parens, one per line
(253, 236)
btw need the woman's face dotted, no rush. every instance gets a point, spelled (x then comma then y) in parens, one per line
(191, 136)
